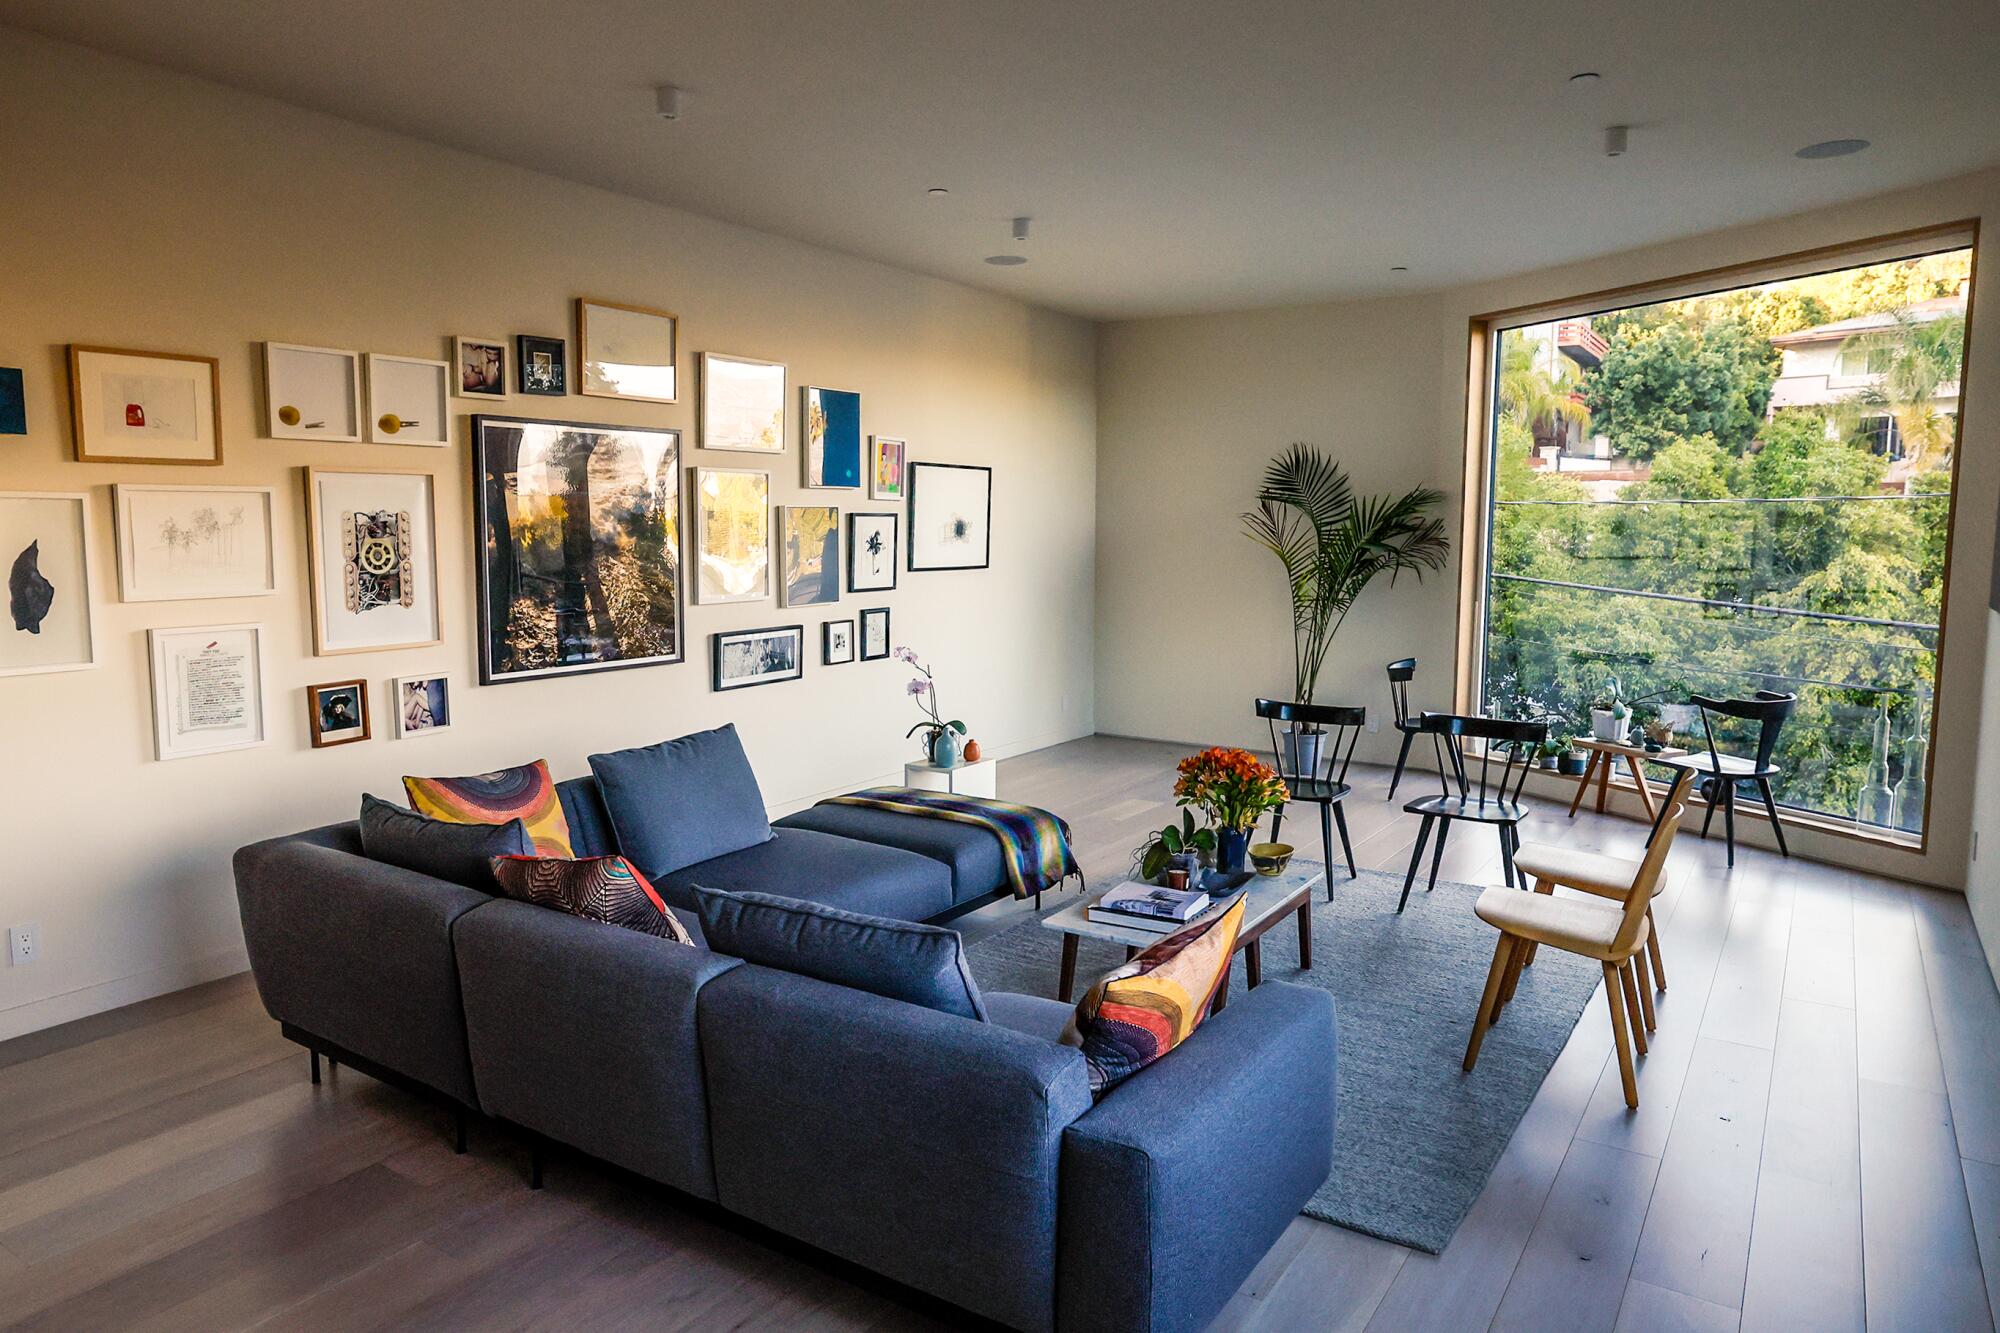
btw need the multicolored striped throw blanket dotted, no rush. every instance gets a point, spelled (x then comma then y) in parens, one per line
(1034, 844)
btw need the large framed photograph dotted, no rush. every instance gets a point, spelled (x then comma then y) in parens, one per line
(951, 516)
(409, 400)
(145, 407)
(420, 705)
(578, 529)
(887, 458)
(742, 404)
(337, 713)
(371, 540)
(874, 633)
(871, 552)
(543, 365)
(831, 428)
(312, 393)
(627, 351)
(808, 555)
(479, 366)
(836, 646)
(745, 657)
(208, 689)
(183, 543)
(51, 624)
(732, 535)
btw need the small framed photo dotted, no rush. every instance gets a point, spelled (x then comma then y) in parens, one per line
(627, 351)
(145, 407)
(479, 367)
(836, 642)
(871, 552)
(13, 402)
(371, 540)
(874, 633)
(745, 657)
(732, 535)
(887, 457)
(182, 543)
(312, 393)
(951, 516)
(420, 705)
(543, 364)
(831, 430)
(338, 713)
(808, 555)
(409, 400)
(45, 549)
(208, 689)
(742, 404)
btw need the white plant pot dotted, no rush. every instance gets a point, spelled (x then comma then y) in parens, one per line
(1607, 725)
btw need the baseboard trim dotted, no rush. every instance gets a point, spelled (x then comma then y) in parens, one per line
(87, 1001)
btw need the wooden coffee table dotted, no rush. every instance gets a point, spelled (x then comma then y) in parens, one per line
(1604, 756)
(1268, 900)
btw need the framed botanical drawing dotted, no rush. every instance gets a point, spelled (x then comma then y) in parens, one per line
(51, 624)
(808, 555)
(337, 714)
(371, 540)
(145, 407)
(741, 658)
(208, 689)
(742, 404)
(578, 529)
(181, 543)
(544, 365)
(627, 351)
(951, 516)
(874, 633)
(409, 400)
(871, 552)
(420, 704)
(831, 427)
(312, 393)
(886, 459)
(836, 646)
(732, 535)
(479, 367)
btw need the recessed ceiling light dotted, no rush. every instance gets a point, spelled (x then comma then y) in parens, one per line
(1813, 152)
(937, 192)
(1006, 261)
(1586, 76)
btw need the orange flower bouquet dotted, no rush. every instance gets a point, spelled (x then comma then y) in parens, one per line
(1232, 787)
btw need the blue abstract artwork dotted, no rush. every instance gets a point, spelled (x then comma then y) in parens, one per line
(833, 438)
(13, 403)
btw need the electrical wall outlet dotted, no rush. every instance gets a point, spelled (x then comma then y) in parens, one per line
(24, 944)
(1374, 723)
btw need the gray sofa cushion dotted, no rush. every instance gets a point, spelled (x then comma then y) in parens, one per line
(1030, 1015)
(682, 801)
(589, 826)
(971, 854)
(901, 960)
(460, 853)
(817, 868)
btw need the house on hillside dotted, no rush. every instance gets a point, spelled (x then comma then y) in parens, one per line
(1828, 364)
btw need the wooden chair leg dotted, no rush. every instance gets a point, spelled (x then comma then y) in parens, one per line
(1583, 785)
(1512, 979)
(1503, 952)
(1632, 1014)
(1621, 1036)
(1541, 886)
(1642, 975)
(1653, 949)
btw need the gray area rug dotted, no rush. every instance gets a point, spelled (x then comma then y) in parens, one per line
(1416, 1137)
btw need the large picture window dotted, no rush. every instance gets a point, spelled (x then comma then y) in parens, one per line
(1740, 491)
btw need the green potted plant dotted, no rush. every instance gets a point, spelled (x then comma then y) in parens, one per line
(1611, 716)
(1332, 545)
(1171, 844)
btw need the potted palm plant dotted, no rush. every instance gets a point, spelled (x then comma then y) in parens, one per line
(1332, 545)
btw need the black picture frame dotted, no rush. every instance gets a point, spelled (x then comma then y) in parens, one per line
(912, 480)
(528, 345)
(715, 645)
(503, 583)
(854, 550)
(826, 657)
(861, 634)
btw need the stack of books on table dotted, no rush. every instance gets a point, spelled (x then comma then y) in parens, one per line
(1148, 907)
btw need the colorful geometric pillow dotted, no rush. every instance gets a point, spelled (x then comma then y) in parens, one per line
(1148, 1006)
(526, 793)
(597, 888)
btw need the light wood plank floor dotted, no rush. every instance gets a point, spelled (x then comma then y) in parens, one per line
(1817, 1147)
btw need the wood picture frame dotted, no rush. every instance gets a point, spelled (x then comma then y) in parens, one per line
(223, 550)
(421, 705)
(312, 393)
(325, 723)
(47, 583)
(632, 352)
(208, 689)
(479, 367)
(373, 562)
(409, 400)
(185, 408)
(726, 560)
(739, 406)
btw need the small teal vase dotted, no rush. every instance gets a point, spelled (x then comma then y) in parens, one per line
(1231, 845)
(944, 750)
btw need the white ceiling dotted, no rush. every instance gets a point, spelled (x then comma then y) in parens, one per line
(1175, 156)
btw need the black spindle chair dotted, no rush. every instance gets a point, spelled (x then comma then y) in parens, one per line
(1400, 675)
(1493, 798)
(1719, 773)
(1326, 785)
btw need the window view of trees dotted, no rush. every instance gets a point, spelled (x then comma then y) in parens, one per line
(1743, 491)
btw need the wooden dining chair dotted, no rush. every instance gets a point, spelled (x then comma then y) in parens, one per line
(1401, 673)
(1325, 784)
(1492, 797)
(1612, 934)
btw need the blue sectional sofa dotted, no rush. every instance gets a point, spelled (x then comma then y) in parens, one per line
(963, 1158)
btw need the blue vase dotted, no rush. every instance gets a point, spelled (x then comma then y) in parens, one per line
(1231, 845)
(944, 750)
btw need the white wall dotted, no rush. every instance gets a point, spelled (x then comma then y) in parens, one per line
(1193, 623)
(143, 209)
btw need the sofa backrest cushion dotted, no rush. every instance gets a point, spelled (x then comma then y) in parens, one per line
(682, 801)
(589, 826)
(461, 853)
(901, 960)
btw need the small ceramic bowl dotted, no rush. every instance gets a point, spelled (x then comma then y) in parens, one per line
(1270, 858)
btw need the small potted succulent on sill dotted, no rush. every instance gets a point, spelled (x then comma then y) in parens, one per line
(1611, 716)
(1234, 789)
(1176, 847)
(940, 737)
(1573, 763)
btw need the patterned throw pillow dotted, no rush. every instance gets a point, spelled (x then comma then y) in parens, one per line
(526, 793)
(1149, 1005)
(597, 888)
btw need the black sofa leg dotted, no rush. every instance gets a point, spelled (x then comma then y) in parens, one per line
(314, 1057)
(458, 1131)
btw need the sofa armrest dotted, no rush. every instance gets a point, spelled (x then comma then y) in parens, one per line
(1177, 1183)
(358, 953)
